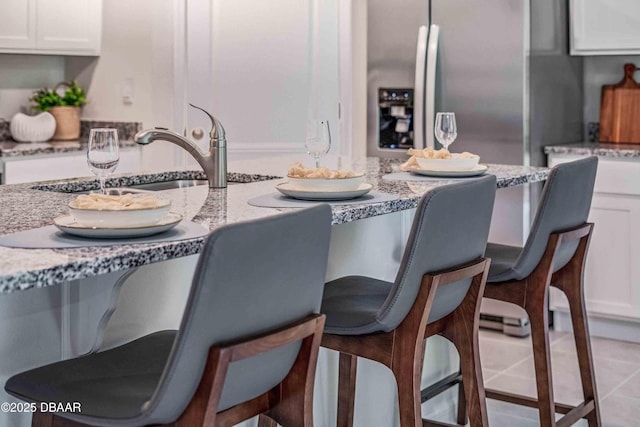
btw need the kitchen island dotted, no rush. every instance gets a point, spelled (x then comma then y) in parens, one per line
(137, 288)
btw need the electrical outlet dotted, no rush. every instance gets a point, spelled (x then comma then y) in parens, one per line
(128, 91)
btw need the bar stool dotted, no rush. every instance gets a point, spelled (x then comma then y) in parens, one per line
(247, 344)
(554, 255)
(437, 291)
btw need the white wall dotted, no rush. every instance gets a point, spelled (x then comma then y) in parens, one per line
(20, 75)
(132, 50)
(137, 47)
(599, 71)
(268, 76)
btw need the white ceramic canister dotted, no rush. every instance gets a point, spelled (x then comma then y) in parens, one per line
(32, 128)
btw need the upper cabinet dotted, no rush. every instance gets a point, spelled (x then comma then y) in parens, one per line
(18, 24)
(605, 27)
(52, 27)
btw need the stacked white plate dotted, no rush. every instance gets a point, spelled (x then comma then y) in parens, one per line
(118, 223)
(325, 188)
(456, 166)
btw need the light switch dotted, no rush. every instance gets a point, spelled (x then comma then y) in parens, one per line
(128, 91)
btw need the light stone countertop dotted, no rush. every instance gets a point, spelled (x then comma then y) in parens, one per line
(601, 149)
(27, 206)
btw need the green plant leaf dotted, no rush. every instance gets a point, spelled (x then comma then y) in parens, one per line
(46, 98)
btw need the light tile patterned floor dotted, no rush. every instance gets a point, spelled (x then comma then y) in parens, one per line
(508, 365)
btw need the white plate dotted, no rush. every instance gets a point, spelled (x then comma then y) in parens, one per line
(291, 191)
(124, 218)
(326, 184)
(453, 164)
(478, 170)
(69, 225)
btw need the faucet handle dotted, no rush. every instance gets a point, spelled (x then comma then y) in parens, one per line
(217, 132)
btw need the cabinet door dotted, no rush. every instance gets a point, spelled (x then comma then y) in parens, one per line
(612, 273)
(17, 171)
(18, 24)
(69, 25)
(605, 27)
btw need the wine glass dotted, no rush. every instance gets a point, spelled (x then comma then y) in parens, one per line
(102, 155)
(317, 139)
(445, 129)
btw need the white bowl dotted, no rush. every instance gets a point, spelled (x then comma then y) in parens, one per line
(455, 163)
(104, 218)
(327, 184)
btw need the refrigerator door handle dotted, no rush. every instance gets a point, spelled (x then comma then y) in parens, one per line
(419, 89)
(430, 93)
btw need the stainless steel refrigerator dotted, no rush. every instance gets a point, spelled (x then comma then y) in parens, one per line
(503, 67)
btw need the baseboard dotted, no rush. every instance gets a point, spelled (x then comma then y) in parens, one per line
(603, 327)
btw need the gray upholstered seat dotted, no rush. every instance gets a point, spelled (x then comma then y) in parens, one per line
(565, 203)
(251, 278)
(450, 228)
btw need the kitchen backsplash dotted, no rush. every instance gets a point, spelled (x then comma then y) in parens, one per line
(126, 130)
(5, 134)
(593, 131)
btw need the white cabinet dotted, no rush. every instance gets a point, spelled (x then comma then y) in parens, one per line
(47, 167)
(18, 24)
(605, 27)
(65, 27)
(612, 273)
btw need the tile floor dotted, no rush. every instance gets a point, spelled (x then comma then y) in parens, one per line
(508, 365)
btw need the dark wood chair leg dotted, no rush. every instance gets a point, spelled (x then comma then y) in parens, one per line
(462, 417)
(46, 419)
(585, 360)
(265, 421)
(408, 376)
(348, 366)
(463, 332)
(570, 281)
(40, 419)
(538, 317)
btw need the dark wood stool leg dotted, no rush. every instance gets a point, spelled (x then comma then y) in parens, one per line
(408, 376)
(265, 421)
(462, 417)
(463, 332)
(47, 419)
(538, 317)
(570, 281)
(585, 360)
(346, 389)
(40, 419)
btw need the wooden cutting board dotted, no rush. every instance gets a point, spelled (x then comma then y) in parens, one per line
(620, 110)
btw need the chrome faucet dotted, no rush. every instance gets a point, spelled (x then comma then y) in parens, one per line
(213, 162)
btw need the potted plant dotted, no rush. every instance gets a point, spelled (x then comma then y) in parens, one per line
(64, 106)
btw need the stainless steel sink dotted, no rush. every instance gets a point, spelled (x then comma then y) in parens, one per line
(170, 185)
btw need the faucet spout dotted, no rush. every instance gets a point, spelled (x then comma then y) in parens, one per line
(213, 162)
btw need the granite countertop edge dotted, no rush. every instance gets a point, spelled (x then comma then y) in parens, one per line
(625, 151)
(208, 207)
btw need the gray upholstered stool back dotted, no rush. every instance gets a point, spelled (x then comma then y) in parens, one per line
(251, 278)
(565, 203)
(450, 228)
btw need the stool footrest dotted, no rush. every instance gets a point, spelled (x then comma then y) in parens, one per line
(576, 413)
(572, 413)
(431, 423)
(439, 386)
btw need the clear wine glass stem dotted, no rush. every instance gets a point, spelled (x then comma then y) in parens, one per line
(102, 183)
(317, 159)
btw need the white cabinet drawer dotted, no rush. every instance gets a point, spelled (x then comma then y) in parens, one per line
(17, 171)
(615, 176)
